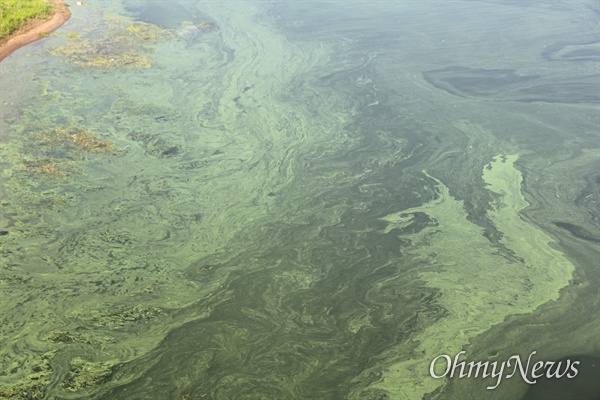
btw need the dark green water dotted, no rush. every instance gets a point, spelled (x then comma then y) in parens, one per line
(277, 200)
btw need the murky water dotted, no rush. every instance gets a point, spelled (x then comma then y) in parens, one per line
(265, 200)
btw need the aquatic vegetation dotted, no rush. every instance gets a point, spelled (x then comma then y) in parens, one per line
(206, 27)
(73, 139)
(51, 153)
(118, 46)
(35, 383)
(35, 390)
(68, 337)
(119, 315)
(14, 279)
(61, 336)
(48, 167)
(84, 374)
(37, 167)
(154, 145)
(120, 238)
(190, 31)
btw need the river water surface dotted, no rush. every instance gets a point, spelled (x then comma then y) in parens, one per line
(300, 200)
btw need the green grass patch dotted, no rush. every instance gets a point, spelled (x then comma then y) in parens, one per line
(14, 13)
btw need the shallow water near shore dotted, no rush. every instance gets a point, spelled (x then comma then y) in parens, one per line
(301, 200)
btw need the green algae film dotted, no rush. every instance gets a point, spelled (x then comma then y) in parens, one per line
(279, 201)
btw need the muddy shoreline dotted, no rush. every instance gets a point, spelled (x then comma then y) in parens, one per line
(33, 29)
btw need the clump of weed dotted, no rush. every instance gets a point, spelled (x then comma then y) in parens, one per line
(117, 45)
(73, 139)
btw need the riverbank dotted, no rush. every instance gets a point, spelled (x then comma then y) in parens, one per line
(34, 29)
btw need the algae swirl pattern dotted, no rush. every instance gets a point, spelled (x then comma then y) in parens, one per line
(272, 200)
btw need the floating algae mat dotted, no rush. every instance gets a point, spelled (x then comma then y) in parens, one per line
(467, 268)
(117, 44)
(283, 201)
